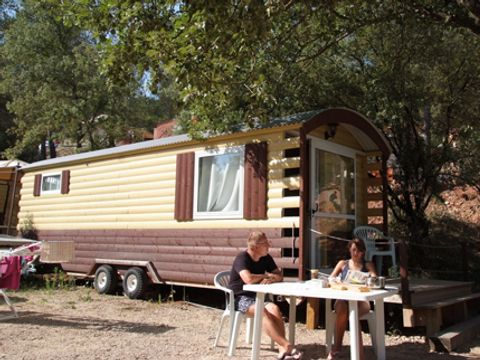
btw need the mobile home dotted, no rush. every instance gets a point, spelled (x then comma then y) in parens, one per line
(177, 211)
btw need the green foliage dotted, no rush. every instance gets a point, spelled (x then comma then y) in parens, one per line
(233, 62)
(86, 297)
(59, 280)
(27, 228)
(5, 124)
(420, 103)
(244, 61)
(52, 281)
(57, 90)
(468, 148)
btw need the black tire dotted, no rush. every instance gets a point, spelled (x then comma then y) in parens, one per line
(135, 283)
(106, 280)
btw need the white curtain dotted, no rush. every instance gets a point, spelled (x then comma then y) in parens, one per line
(219, 183)
(51, 183)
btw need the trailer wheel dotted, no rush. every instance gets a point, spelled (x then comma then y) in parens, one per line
(105, 279)
(135, 283)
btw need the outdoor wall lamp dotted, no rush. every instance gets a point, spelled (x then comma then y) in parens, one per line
(331, 131)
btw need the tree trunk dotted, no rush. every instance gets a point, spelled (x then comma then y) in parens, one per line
(43, 150)
(53, 150)
(419, 230)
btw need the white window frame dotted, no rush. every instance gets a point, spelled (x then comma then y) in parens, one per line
(240, 150)
(51, 192)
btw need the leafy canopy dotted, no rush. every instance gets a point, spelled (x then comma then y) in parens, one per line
(57, 90)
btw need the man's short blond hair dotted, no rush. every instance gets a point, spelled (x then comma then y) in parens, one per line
(254, 238)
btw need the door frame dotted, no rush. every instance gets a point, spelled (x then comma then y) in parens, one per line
(337, 149)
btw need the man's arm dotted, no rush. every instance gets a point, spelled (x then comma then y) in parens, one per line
(267, 278)
(249, 278)
(276, 275)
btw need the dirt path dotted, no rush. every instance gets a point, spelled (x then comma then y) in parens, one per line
(80, 324)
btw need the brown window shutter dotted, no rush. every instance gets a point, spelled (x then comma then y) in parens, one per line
(184, 187)
(255, 182)
(37, 185)
(65, 182)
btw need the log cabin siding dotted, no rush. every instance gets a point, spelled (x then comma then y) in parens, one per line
(124, 208)
(178, 255)
(139, 191)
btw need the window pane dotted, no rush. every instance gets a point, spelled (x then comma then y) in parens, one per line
(51, 182)
(335, 183)
(218, 186)
(330, 250)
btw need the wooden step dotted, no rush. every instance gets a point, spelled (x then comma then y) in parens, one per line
(448, 302)
(455, 336)
(446, 312)
(426, 291)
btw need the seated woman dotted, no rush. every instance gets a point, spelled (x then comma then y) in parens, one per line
(357, 262)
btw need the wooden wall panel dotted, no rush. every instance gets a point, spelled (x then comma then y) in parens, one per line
(204, 252)
(184, 186)
(342, 137)
(37, 185)
(255, 181)
(65, 188)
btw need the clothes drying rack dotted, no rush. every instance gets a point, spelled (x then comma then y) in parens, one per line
(47, 251)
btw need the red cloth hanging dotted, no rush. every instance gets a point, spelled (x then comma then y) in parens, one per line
(10, 272)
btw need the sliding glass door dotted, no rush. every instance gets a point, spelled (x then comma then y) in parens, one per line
(332, 202)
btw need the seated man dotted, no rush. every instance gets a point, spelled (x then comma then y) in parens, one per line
(256, 266)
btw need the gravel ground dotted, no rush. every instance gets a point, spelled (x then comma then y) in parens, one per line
(80, 324)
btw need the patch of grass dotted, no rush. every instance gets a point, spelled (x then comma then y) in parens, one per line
(56, 280)
(59, 280)
(71, 304)
(86, 297)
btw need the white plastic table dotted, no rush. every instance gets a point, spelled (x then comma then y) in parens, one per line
(313, 290)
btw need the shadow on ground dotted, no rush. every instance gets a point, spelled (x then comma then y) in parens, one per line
(87, 323)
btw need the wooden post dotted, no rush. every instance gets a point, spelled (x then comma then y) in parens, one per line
(312, 313)
(464, 260)
(406, 296)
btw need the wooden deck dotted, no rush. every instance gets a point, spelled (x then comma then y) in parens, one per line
(440, 306)
(429, 290)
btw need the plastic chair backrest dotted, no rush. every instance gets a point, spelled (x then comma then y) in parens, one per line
(221, 281)
(368, 234)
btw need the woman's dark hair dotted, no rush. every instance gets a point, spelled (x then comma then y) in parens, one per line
(358, 243)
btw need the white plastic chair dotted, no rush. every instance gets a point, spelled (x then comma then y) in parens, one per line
(369, 235)
(221, 281)
(330, 317)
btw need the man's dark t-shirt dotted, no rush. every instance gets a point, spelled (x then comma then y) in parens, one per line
(243, 261)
